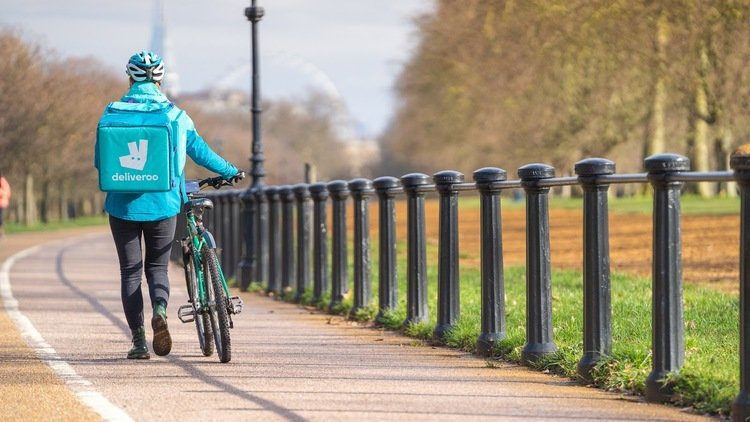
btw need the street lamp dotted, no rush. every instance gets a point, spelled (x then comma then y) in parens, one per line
(251, 268)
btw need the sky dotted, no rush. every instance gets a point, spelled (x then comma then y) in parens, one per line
(351, 49)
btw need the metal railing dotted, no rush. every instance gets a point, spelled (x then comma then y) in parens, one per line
(282, 267)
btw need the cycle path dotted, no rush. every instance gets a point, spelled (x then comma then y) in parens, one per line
(288, 363)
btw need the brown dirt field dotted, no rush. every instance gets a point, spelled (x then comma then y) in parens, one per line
(710, 244)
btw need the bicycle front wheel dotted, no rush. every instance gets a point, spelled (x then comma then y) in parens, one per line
(200, 316)
(218, 304)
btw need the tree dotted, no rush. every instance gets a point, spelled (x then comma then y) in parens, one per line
(48, 123)
(505, 82)
(293, 133)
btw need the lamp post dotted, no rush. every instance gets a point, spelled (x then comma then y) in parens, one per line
(252, 213)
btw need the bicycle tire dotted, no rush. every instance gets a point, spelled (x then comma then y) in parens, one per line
(200, 317)
(219, 313)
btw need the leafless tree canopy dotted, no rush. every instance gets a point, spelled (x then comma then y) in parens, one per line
(293, 133)
(50, 106)
(506, 82)
(491, 83)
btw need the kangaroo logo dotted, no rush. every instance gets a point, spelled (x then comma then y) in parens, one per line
(137, 157)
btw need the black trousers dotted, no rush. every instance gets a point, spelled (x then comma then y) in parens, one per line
(157, 236)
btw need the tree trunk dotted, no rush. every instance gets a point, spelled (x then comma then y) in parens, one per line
(723, 152)
(63, 201)
(700, 150)
(19, 209)
(86, 207)
(45, 202)
(98, 201)
(655, 142)
(311, 173)
(29, 200)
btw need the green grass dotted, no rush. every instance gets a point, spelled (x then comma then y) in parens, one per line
(708, 382)
(709, 379)
(99, 220)
(690, 204)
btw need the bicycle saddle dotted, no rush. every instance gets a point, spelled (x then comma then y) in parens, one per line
(200, 203)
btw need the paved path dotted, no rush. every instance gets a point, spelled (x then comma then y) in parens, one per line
(287, 363)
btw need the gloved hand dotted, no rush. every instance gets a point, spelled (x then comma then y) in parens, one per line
(237, 177)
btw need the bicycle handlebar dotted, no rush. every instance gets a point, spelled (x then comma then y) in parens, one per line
(218, 182)
(215, 182)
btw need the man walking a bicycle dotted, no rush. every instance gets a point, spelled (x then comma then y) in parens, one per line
(141, 147)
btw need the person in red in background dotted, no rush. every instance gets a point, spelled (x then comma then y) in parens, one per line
(4, 200)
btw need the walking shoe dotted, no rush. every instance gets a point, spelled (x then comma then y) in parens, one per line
(162, 340)
(140, 345)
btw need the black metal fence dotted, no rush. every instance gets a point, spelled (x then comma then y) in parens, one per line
(280, 266)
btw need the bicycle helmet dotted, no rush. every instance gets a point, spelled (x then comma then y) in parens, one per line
(145, 66)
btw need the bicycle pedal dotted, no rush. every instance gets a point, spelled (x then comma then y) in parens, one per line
(235, 305)
(186, 314)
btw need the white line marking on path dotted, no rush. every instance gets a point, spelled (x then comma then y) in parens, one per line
(79, 385)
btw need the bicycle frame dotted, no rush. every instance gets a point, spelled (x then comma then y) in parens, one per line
(210, 305)
(197, 235)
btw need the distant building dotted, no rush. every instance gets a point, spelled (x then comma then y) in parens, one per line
(219, 100)
(161, 45)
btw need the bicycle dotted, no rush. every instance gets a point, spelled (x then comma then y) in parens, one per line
(210, 305)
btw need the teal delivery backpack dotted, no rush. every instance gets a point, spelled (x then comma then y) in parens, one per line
(135, 145)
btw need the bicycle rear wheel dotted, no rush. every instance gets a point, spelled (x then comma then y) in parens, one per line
(200, 316)
(218, 298)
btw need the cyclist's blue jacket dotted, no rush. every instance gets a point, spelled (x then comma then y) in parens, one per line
(154, 206)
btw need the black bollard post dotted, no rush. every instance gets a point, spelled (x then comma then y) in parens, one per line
(539, 334)
(234, 238)
(740, 163)
(597, 308)
(361, 190)
(247, 263)
(216, 217)
(339, 191)
(217, 222)
(449, 300)
(225, 210)
(493, 279)
(286, 195)
(274, 241)
(261, 248)
(386, 188)
(229, 242)
(302, 194)
(319, 193)
(250, 218)
(416, 297)
(667, 339)
(209, 216)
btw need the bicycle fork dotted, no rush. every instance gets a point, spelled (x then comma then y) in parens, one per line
(187, 313)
